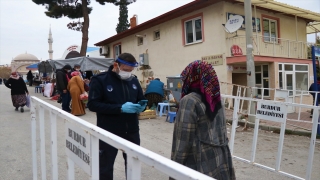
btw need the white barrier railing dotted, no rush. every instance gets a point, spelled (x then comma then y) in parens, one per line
(298, 96)
(135, 154)
(275, 169)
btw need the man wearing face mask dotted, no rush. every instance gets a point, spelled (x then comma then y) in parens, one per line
(62, 84)
(114, 96)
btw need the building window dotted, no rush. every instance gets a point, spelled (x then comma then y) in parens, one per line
(262, 79)
(156, 35)
(270, 28)
(140, 41)
(117, 50)
(193, 29)
(294, 77)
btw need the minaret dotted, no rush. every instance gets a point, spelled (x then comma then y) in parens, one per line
(50, 41)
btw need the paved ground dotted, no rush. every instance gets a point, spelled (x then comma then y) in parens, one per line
(156, 135)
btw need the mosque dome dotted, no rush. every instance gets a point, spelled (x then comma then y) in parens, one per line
(25, 57)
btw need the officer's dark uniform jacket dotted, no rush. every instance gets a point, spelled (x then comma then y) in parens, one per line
(108, 92)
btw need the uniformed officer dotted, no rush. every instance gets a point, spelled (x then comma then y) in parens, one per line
(114, 96)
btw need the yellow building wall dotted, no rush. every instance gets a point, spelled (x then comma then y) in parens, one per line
(287, 23)
(168, 56)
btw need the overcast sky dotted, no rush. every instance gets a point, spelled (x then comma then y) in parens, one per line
(24, 26)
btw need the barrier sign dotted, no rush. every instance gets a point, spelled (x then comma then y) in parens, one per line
(78, 146)
(271, 111)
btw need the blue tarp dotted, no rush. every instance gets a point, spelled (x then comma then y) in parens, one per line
(32, 67)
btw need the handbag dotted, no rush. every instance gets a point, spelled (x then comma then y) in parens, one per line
(28, 101)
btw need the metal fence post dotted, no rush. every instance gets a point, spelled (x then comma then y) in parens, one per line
(234, 123)
(133, 167)
(34, 139)
(70, 169)
(313, 139)
(95, 157)
(42, 144)
(281, 139)
(54, 152)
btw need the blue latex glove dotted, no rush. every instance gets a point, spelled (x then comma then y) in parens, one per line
(129, 107)
(142, 108)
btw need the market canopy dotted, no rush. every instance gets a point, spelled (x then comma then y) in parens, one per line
(32, 67)
(45, 67)
(86, 63)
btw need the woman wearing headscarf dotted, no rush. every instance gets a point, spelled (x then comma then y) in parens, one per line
(200, 137)
(76, 88)
(18, 91)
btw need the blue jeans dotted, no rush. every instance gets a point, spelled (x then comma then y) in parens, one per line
(66, 98)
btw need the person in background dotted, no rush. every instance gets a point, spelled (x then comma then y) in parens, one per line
(76, 88)
(200, 139)
(18, 91)
(0, 80)
(114, 96)
(30, 77)
(155, 92)
(313, 88)
(49, 88)
(77, 67)
(62, 84)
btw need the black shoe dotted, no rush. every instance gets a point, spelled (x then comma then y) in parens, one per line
(310, 116)
(21, 109)
(17, 109)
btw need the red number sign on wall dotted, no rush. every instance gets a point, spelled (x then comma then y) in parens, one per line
(236, 50)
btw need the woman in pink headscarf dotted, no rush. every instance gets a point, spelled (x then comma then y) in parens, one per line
(18, 91)
(76, 88)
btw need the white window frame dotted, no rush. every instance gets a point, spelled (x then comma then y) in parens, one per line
(140, 41)
(155, 37)
(193, 30)
(270, 38)
(117, 50)
(294, 71)
(262, 78)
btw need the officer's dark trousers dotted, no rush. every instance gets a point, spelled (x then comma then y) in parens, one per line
(66, 98)
(108, 155)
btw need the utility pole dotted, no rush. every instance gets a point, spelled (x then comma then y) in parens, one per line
(250, 62)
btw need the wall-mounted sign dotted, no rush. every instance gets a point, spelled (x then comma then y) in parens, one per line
(254, 20)
(72, 48)
(239, 69)
(236, 50)
(271, 111)
(214, 60)
(78, 146)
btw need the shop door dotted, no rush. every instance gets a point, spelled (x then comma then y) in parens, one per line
(290, 86)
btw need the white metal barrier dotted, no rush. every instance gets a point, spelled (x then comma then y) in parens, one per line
(273, 117)
(135, 153)
(279, 95)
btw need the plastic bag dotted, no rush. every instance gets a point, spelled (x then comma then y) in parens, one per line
(28, 101)
(84, 97)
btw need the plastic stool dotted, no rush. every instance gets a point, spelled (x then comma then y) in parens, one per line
(172, 116)
(37, 88)
(161, 108)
